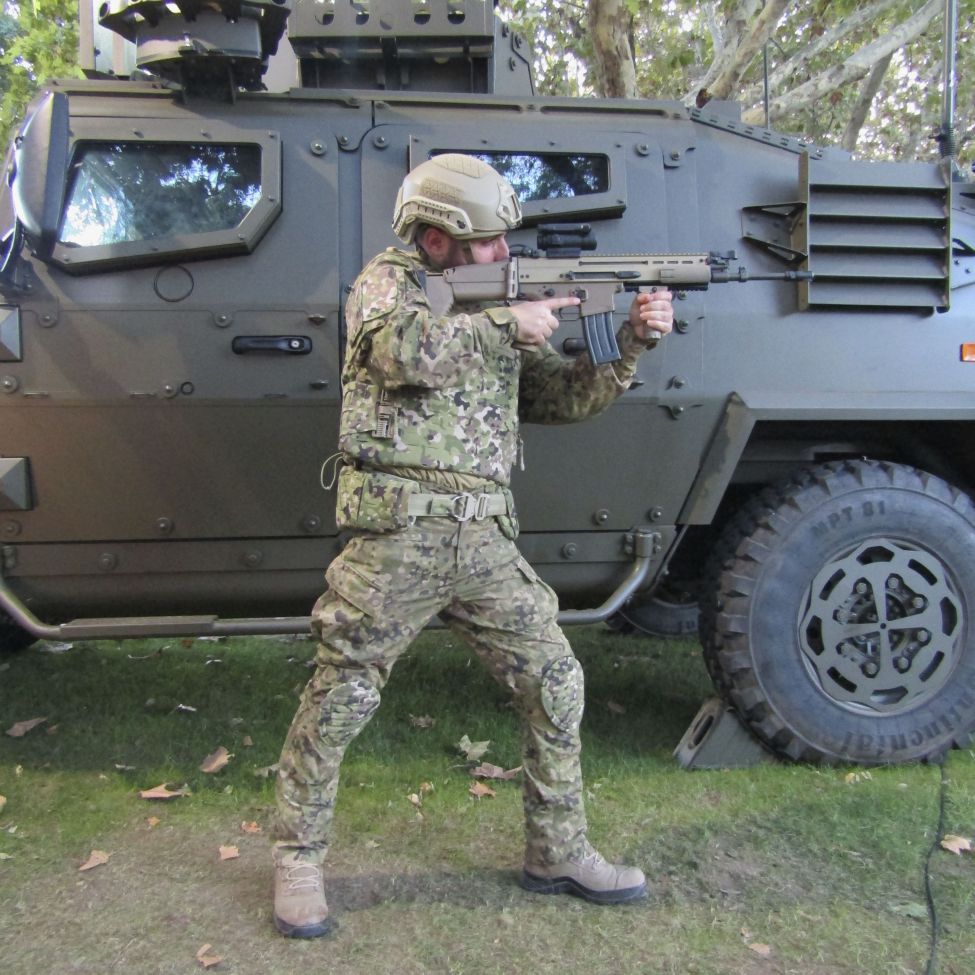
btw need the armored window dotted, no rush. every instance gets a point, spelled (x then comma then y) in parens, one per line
(550, 176)
(582, 181)
(147, 201)
(123, 192)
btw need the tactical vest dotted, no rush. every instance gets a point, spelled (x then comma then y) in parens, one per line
(469, 426)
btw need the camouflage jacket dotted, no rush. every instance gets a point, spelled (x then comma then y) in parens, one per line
(428, 394)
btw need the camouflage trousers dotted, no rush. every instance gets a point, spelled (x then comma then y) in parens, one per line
(383, 590)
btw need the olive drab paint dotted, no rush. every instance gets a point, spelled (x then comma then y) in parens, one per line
(792, 465)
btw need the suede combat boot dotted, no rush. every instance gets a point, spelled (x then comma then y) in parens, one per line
(586, 875)
(300, 910)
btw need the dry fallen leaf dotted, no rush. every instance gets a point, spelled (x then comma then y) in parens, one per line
(229, 852)
(248, 741)
(163, 792)
(415, 799)
(488, 771)
(251, 827)
(760, 949)
(615, 708)
(424, 721)
(479, 789)
(206, 959)
(473, 749)
(95, 859)
(215, 761)
(3, 802)
(956, 844)
(153, 821)
(21, 728)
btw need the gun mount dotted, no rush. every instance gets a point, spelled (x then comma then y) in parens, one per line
(215, 47)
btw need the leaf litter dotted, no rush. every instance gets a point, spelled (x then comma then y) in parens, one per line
(20, 728)
(215, 761)
(95, 859)
(164, 792)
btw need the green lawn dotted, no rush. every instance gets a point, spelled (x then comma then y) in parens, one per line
(771, 869)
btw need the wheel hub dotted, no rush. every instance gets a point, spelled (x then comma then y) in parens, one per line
(882, 626)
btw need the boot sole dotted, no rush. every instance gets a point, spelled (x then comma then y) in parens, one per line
(320, 930)
(567, 885)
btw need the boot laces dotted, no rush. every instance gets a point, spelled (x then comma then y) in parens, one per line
(303, 876)
(590, 858)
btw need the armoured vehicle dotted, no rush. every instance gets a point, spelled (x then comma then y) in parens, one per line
(796, 459)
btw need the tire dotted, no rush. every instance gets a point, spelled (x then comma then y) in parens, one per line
(797, 641)
(13, 638)
(668, 612)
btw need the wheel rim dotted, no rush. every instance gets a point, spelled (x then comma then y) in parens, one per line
(883, 626)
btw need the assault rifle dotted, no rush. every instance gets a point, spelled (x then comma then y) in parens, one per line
(595, 280)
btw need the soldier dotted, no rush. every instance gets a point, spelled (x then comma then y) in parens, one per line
(429, 433)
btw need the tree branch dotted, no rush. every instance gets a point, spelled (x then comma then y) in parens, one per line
(864, 100)
(799, 62)
(851, 70)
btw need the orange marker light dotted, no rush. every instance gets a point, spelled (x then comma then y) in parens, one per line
(968, 352)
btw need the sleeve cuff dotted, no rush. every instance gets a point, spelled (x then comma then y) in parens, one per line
(505, 319)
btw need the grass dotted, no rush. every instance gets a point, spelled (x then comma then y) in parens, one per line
(826, 871)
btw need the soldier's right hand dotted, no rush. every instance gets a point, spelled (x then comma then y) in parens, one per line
(537, 320)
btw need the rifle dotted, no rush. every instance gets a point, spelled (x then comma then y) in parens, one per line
(595, 280)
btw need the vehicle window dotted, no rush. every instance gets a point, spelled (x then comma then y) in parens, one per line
(550, 175)
(125, 191)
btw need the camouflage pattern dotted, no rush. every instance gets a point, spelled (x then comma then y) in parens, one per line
(433, 404)
(382, 591)
(448, 393)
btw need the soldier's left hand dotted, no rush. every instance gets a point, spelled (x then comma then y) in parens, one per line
(652, 314)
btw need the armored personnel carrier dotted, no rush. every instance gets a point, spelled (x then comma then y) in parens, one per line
(795, 462)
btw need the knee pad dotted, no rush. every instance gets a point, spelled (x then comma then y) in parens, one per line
(563, 693)
(346, 710)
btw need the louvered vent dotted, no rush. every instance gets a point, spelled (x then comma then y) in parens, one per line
(877, 234)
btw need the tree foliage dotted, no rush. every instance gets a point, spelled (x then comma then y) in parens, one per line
(38, 40)
(867, 76)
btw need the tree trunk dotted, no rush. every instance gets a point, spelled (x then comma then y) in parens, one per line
(610, 25)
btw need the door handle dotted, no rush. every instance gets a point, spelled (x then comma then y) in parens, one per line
(279, 344)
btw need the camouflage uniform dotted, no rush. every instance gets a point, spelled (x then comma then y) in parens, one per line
(429, 432)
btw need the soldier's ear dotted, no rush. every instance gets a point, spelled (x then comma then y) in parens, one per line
(434, 242)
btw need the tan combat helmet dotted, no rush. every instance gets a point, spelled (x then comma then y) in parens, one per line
(459, 194)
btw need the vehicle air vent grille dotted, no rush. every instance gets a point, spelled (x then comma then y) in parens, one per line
(876, 234)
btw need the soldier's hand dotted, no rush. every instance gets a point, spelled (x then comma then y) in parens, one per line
(537, 320)
(652, 314)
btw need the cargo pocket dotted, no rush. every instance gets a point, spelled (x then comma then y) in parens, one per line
(354, 587)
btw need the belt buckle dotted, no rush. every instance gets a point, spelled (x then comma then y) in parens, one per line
(464, 507)
(482, 507)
